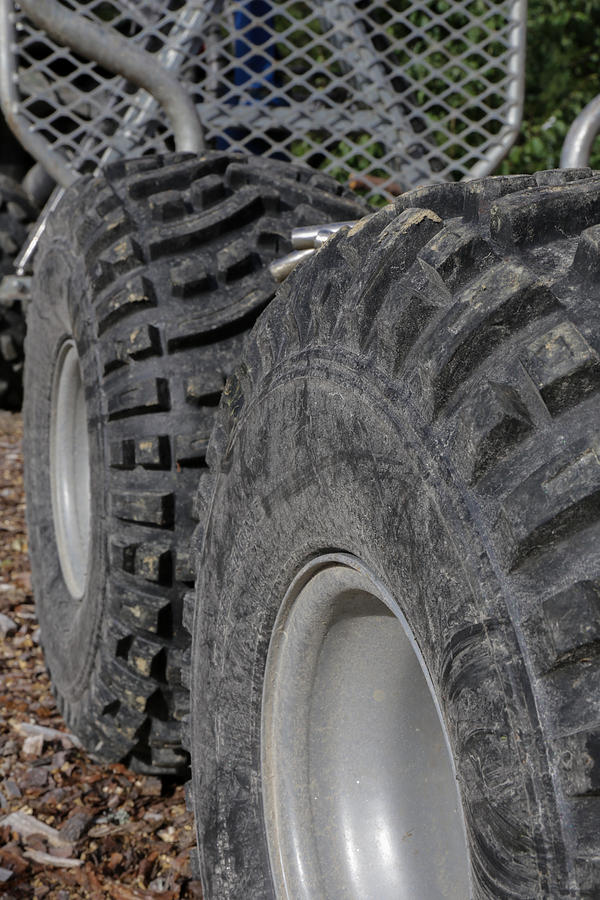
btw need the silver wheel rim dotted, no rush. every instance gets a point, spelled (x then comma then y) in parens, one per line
(70, 469)
(359, 788)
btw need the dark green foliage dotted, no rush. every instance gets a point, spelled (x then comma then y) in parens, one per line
(563, 74)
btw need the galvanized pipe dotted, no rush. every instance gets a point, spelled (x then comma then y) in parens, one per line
(515, 95)
(303, 238)
(281, 268)
(580, 137)
(38, 185)
(305, 241)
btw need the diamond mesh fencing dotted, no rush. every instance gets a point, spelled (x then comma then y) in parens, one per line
(385, 94)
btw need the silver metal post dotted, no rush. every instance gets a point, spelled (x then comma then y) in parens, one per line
(580, 137)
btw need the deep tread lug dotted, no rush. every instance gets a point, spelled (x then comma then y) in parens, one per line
(557, 502)
(493, 422)
(136, 294)
(519, 298)
(145, 508)
(151, 395)
(587, 256)
(563, 367)
(525, 220)
(572, 618)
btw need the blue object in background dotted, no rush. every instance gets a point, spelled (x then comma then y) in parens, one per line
(259, 38)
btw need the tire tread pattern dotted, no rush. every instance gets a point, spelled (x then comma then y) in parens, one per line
(486, 311)
(173, 258)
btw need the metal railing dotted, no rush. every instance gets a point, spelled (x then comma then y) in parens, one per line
(385, 95)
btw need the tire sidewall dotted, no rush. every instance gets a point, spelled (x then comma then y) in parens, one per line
(70, 627)
(329, 459)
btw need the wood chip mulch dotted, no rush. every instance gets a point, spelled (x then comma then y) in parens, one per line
(69, 828)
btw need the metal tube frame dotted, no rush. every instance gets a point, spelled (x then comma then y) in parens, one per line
(109, 49)
(578, 143)
(33, 143)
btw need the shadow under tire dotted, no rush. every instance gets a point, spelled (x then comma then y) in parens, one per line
(419, 404)
(146, 281)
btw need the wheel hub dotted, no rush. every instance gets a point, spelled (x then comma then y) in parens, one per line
(70, 469)
(359, 788)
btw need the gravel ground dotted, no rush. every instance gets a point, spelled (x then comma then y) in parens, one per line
(69, 828)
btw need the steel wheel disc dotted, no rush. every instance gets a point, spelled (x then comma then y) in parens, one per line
(359, 788)
(70, 470)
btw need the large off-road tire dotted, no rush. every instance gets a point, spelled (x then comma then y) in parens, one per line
(16, 214)
(146, 281)
(395, 673)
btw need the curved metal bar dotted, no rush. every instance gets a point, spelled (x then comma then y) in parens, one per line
(53, 163)
(578, 143)
(118, 55)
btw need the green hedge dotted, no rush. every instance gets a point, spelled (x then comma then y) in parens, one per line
(563, 74)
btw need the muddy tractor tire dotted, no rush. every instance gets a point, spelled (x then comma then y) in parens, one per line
(146, 281)
(395, 671)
